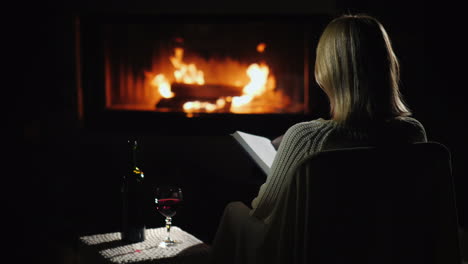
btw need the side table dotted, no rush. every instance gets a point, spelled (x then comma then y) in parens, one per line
(109, 248)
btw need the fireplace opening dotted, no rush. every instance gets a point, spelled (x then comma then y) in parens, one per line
(199, 65)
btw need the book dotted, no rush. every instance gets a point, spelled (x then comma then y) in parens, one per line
(259, 148)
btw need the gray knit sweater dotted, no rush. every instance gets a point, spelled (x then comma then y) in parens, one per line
(306, 138)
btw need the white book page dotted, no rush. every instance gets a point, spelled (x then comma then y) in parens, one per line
(260, 148)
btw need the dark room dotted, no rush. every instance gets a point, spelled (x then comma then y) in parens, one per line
(102, 91)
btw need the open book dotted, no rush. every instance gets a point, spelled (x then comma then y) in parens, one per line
(259, 148)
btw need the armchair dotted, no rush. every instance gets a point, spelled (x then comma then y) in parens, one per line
(385, 205)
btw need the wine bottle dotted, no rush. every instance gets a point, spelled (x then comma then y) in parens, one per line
(133, 224)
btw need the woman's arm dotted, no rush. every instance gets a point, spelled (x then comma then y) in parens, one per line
(294, 145)
(277, 141)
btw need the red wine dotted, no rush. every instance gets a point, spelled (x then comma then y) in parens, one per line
(133, 224)
(168, 207)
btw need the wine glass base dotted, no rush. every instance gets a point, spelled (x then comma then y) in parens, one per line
(169, 243)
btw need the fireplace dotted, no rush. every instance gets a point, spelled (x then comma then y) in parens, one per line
(181, 67)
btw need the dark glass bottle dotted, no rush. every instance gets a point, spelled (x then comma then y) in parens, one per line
(133, 224)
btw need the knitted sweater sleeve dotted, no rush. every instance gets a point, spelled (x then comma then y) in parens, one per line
(295, 145)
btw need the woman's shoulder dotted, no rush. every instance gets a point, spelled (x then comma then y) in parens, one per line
(304, 131)
(301, 131)
(310, 126)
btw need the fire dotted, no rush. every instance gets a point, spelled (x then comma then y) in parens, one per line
(261, 47)
(258, 75)
(260, 84)
(184, 73)
(197, 106)
(258, 78)
(164, 87)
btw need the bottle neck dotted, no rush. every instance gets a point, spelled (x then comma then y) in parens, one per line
(132, 151)
(133, 164)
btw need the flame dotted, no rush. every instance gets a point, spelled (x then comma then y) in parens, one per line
(261, 47)
(164, 87)
(238, 101)
(193, 106)
(197, 106)
(184, 73)
(257, 96)
(258, 75)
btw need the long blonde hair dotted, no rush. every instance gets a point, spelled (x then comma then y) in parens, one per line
(358, 70)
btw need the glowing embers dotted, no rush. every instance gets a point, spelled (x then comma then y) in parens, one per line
(222, 86)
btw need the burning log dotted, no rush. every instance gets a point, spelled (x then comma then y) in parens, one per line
(204, 92)
(177, 104)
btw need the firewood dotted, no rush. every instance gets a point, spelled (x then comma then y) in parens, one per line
(204, 92)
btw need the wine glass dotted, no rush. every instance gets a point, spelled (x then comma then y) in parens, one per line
(167, 200)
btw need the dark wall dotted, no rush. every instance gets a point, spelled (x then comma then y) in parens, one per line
(70, 183)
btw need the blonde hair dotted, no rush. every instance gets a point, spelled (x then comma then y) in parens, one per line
(358, 70)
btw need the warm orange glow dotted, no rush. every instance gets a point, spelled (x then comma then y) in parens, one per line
(261, 47)
(164, 87)
(220, 103)
(256, 85)
(238, 101)
(196, 106)
(185, 73)
(258, 75)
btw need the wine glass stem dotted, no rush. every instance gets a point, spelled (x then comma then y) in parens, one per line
(168, 228)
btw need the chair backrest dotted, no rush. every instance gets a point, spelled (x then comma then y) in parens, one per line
(392, 204)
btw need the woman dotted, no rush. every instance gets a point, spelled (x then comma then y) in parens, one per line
(358, 70)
